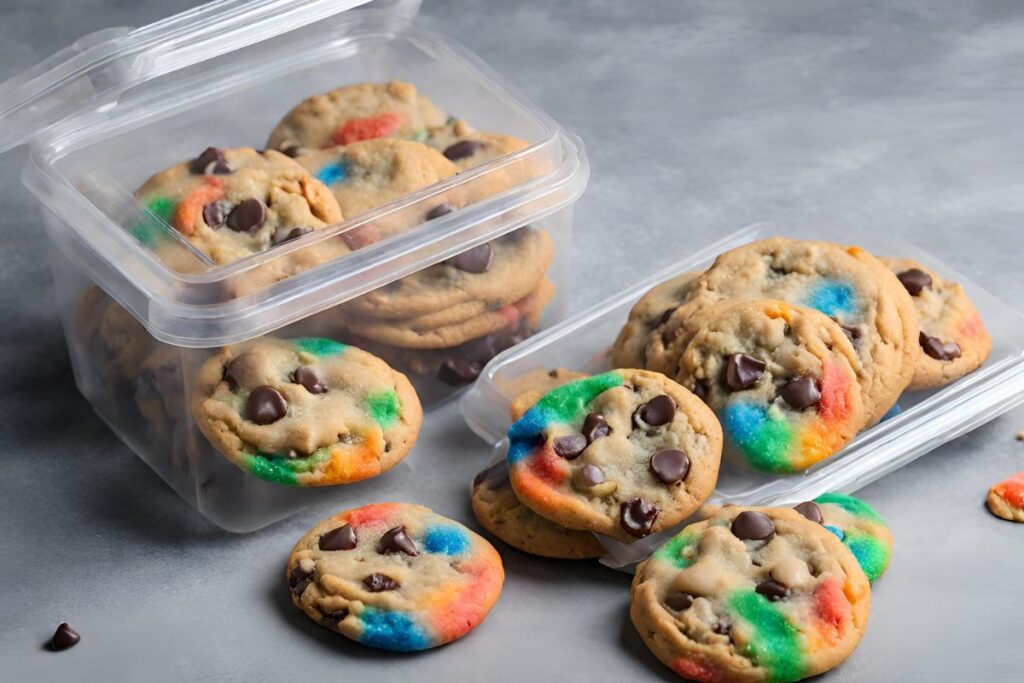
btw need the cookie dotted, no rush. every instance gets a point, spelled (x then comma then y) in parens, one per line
(498, 510)
(857, 525)
(648, 313)
(1006, 499)
(953, 338)
(115, 342)
(232, 203)
(356, 112)
(751, 594)
(467, 147)
(306, 412)
(782, 379)
(499, 272)
(529, 388)
(844, 283)
(395, 576)
(624, 453)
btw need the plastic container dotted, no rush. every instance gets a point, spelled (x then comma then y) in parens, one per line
(923, 420)
(117, 106)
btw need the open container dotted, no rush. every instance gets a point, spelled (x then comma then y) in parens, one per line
(921, 421)
(142, 309)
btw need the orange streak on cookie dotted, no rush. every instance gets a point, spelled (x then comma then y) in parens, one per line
(832, 611)
(454, 612)
(695, 670)
(366, 128)
(191, 207)
(378, 514)
(972, 326)
(823, 438)
(1011, 490)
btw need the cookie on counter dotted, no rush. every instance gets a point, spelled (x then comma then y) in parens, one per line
(467, 147)
(751, 594)
(784, 381)
(953, 338)
(624, 453)
(857, 525)
(395, 576)
(1006, 499)
(306, 412)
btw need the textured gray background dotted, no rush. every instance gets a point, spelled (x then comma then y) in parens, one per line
(699, 117)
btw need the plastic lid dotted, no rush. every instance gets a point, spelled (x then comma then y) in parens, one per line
(98, 67)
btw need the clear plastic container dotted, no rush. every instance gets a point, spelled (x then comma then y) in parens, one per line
(922, 421)
(117, 106)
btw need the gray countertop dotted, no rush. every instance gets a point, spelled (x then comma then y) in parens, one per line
(698, 118)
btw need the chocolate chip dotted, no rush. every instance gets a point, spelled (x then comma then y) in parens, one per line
(282, 235)
(772, 590)
(247, 216)
(342, 538)
(301, 576)
(742, 371)
(336, 615)
(211, 161)
(265, 405)
(938, 349)
(801, 393)
(378, 583)
(439, 210)
(722, 629)
(395, 540)
(459, 371)
(569, 446)
(307, 377)
(915, 280)
(591, 475)
(595, 427)
(810, 510)
(702, 389)
(657, 412)
(214, 214)
(475, 260)
(752, 526)
(852, 332)
(64, 637)
(290, 149)
(463, 149)
(680, 602)
(666, 314)
(670, 465)
(637, 516)
(494, 476)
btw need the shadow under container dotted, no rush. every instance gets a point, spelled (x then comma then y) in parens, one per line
(142, 309)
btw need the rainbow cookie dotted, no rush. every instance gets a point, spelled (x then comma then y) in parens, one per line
(857, 525)
(953, 338)
(783, 380)
(1006, 499)
(751, 594)
(395, 576)
(844, 283)
(306, 412)
(624, 453)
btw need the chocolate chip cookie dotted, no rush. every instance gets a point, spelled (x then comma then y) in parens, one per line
(648, 313)
(751, 594)
(306, 412)
(395, 576)
(857, 525)
(467, 147)
(624, 453)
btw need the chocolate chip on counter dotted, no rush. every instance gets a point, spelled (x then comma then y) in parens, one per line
(742, 371)
(247, 216)
(282, 235)
(440, 210)
(810, 510)
(494, 476)
(214, 214)
(915, 280)
(657, 412)
(938, 349)
(463, 149)
(772, 590)
(342, 538)
(569, 446)
(475, 260)
(378, 583)
(459, 371)
(801, 393)
(753, 526)
(265, 405)
(211, 161)
(670, 465)
(307, 377)
(395, 540)
(592, 475)
(637, 516)
(301, 575)
(595, 427)
(680, 602)
(64, 637)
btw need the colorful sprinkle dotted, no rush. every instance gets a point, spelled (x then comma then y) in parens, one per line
(834, 299)
(334, 172)
(775, 645)
(854, 506)
(392, 631)
(447, 540)
(319, 346)
(150, 229)
(872, 555)
(367, 128)
(384, 407)
(836, 530)
(762, 435)
(860, 528)
(189, 210)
